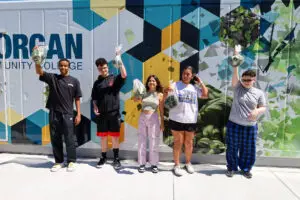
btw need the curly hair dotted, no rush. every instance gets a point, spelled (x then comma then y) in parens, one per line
(62, 60)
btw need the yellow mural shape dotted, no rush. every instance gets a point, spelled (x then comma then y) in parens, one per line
(107, 9)
(121, 138)
(46, 135)
(3, 142)
(170, 35)
(132, 113)
(164, 67)
(12, 117)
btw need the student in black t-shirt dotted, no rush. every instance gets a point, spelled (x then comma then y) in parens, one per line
(63, 90)
(106, 103)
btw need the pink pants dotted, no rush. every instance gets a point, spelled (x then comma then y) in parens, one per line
(149, 127)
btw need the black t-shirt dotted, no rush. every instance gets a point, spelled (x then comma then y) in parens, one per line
(106, 92)
(62, 91)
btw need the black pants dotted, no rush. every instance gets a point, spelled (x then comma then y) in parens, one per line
(62, 125)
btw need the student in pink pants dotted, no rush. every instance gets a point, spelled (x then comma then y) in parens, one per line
(150, 124)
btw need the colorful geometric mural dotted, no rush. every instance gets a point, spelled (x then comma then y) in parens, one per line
(161, 37)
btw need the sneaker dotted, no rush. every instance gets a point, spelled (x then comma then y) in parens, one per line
(246, 174)
(56, 167)
(229, 173)
(71, 167)
(177, 170)
(116, 164)
(101, 162)
(154, 169)
(142, 168)
(189, 168)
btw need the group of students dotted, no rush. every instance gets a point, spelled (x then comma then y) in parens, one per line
(248, 103)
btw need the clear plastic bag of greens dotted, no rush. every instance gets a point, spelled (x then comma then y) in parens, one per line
(172, 98)
(117, 61)
(138, 89)
(39, 54)
(237, 59)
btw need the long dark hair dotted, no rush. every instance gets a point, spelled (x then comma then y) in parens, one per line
(193, 73)
(159, 87)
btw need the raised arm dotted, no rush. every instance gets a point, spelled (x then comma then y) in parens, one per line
(235, 65)
(204, 90)
(235, 76)
(123, 71)
(39, 70)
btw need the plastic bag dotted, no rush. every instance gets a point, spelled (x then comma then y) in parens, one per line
(39, 54)
(138, 89)
(238, 48)
(117, 62)
(172, 99)
(237, 59)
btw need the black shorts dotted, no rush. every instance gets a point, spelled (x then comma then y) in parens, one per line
(177, 126)
(109, 124)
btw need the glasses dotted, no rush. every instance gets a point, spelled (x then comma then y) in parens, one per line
(247, 80)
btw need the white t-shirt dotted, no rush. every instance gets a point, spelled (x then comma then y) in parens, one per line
(187, 109)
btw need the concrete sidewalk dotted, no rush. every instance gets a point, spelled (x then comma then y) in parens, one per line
(28, 177)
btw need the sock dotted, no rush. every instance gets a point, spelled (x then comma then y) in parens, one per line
(116, 153)
(104, 155)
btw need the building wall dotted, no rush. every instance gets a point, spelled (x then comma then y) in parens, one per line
(158, 37)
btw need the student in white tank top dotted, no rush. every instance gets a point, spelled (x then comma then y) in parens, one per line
(150, 124)
(183, 117)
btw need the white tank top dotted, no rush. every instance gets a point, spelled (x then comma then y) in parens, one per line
(187, 109)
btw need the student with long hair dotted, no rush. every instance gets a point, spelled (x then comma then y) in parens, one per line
(183, 117)
(150, 124)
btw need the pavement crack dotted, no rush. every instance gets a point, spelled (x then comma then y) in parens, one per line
(278, 178)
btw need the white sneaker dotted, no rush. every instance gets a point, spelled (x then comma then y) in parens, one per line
(189, 168)
(71, 167)
(56, 167)
(177, 170)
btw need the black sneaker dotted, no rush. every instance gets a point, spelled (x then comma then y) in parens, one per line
(116, 164)
(101, 162)
(246, 174)
(154, 169)
(229, 173)
(142, 168)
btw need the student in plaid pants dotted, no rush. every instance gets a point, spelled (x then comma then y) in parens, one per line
(248, 103)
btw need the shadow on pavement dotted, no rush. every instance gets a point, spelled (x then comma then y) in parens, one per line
(30, 162)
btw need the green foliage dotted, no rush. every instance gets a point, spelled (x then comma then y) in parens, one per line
(240, 26)
(281, 132)
(296, 106)
(212, 118)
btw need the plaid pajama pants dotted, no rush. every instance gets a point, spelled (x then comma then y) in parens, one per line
(241, 146)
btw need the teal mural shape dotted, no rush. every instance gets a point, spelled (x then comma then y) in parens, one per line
(84, 16)
(34, 125)
(162, 13)
(200, 18)
(3, 132)
(209, 34)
